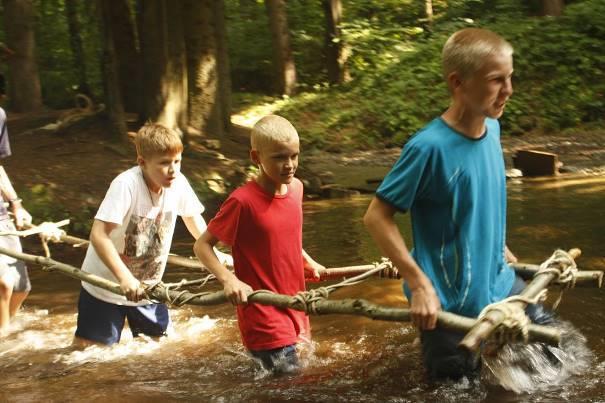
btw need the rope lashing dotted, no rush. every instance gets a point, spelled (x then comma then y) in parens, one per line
(178, 300)
(307, 299)
(564, 266)
(514, 326)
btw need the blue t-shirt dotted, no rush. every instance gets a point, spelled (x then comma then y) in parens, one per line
(455, 189)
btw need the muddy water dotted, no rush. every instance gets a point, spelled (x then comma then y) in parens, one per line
(350, 359)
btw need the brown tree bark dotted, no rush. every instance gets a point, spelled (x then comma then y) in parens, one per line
(164, 63)
(205, 108)
(127, 54)
(283, 60)
(24, 90)
(224, 67)
(336, 52)
(111, 81)
(75, 42)
(553, 7)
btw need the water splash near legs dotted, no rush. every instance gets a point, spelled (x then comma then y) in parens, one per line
(527, 368)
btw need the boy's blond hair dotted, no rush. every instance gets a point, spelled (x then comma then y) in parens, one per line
(466, 50)
(272, 128)
(154, 139)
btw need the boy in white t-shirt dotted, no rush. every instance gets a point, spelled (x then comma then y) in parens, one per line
(131, 236)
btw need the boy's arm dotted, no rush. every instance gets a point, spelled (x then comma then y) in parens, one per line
(99, 238)
(22, 217)
(311, 266)
(509, 256)
(236, 291)
(196, 226)
(380, 222)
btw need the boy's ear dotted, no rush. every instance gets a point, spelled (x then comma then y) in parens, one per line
(254, 156)
(140, 161)
(454, 81)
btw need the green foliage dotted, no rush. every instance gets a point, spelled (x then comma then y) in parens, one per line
(559, 74)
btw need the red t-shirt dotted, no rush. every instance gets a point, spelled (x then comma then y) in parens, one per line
(265, 235)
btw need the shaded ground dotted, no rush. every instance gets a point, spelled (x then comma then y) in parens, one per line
(66, 174)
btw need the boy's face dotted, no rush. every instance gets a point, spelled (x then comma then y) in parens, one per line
(278, 160)
(161, 169)
(486, 92)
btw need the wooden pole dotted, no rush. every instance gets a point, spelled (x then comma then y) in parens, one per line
(357, 307)
(587, 278)
(484, 327)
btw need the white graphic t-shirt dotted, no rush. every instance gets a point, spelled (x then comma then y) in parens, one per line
(144, 231)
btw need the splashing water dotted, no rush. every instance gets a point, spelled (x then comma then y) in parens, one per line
(536, 366)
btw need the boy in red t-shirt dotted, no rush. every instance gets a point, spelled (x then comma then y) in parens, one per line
(262, 223)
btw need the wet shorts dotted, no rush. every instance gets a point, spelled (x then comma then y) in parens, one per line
(11, 269)
(281, 360)
(102, 322)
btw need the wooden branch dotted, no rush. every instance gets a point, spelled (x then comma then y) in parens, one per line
(357, 307)
(484, 327)
(587, 278)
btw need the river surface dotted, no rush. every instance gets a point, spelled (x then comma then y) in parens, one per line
(350, 359)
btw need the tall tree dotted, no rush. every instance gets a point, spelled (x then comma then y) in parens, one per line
(111, 84)
(553, 7)
(75, 42)
(24, 91)
(428, 10)
(205, 112)
(164, 63)
(336, 52)
(127, 54)
(283, 60)
(224, 67)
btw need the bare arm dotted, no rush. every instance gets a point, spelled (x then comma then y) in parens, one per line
(379, 219)
(312, 266)
(509, 256)
(99, 238)
(197, 226)
(235, 290)
(22, 217)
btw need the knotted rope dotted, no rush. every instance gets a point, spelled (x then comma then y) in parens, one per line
(181, 298)
(514, 326)
(307, 300)
(563, 265)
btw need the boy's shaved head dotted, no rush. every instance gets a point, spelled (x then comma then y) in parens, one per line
(466, 50)
(155, 139)
(272, 128)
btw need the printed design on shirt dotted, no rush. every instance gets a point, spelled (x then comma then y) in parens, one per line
(144, 242)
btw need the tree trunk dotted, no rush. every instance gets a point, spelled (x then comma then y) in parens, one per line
(336, 52)
(164, 67)
(205, 108)
(111, 80)
(127, 55)
(75, 42)
(283, 61)
(428, 8)
(24, 92)
(224, 68)
(553, 7)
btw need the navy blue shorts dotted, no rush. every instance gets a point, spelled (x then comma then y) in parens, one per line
(102, 322)
(444, 360)
(280, 360)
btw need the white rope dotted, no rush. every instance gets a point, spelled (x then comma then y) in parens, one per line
(563, 265)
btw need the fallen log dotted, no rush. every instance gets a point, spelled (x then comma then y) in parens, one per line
(484, 327)
(359, 307)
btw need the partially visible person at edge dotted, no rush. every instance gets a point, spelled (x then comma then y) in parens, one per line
(14, 280)
(451, 178)
(130, 240)
(262, 223)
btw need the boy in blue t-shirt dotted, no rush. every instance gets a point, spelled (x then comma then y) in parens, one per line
(450, 176)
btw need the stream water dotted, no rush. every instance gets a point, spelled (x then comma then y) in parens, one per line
(350, 359)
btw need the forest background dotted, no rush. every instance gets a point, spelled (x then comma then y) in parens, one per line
(349, 74)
